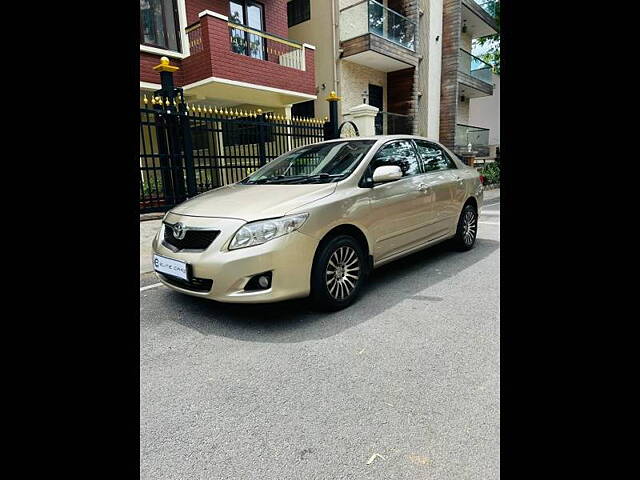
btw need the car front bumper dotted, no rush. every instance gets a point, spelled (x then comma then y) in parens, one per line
(289, 258)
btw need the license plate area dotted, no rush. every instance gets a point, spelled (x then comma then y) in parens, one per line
(172, 268)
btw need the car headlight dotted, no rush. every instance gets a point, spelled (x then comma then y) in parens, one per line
(257, 233)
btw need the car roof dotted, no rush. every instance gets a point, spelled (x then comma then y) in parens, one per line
(382, 138)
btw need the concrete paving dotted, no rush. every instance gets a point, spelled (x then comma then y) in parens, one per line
(404, 384)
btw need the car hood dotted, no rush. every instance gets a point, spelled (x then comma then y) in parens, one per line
(253, 202)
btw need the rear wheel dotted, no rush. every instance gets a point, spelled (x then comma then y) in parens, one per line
(338, 273)
(467, 229)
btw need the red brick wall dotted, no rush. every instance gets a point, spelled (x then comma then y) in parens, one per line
(233, 66)
(148, 74)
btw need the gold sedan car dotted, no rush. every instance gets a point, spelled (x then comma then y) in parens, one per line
(317, 220)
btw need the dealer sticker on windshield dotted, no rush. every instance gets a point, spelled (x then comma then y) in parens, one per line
(168, 266)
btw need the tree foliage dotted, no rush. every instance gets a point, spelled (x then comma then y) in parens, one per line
(492, 55)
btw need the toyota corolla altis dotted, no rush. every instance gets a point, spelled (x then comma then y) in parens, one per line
(316, 220)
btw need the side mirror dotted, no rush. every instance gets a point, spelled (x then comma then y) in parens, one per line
(387, 173)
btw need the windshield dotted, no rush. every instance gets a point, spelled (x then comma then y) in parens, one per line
(322, 163)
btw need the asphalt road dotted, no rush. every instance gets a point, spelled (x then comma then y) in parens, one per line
(404, 384)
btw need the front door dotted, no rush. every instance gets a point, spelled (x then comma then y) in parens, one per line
(398, 207)
(376, 100)
(249, 14)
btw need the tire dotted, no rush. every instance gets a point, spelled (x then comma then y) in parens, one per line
(336, 288)
(467, 229)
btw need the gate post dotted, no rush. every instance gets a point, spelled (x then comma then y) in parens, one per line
(262, 138)
(331, 128)
(364, 117)
(178, 132)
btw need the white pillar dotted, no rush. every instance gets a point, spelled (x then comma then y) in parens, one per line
(364, 117)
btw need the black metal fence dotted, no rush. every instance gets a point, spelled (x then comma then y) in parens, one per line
(186, 149)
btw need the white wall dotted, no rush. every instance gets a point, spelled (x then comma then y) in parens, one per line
(317, 32)
(355, 80)
(485, 112)
(430, 68)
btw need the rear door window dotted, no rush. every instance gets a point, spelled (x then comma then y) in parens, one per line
(432, 158)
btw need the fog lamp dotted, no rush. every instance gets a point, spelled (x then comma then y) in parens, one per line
(261, 281)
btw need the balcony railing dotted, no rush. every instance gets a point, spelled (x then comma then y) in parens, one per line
(194, 34)
(255, 44)
(475, 67)
(488, 6)
(370, 16)
(266, 46)
(470, 139)
(387, 123)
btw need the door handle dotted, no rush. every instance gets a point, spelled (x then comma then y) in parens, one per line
(423, 187)
(459, 180)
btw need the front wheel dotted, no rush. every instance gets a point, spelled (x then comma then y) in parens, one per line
(338, 273)
(467, 229)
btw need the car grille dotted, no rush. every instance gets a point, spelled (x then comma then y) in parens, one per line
(193, 239)
(195, 284)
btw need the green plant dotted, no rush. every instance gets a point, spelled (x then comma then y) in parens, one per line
(491, 173)
(152, 188)
(492, 55)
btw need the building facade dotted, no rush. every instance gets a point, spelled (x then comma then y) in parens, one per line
(370, 52)
(230, 53)
(484, 112)
(464, 77)
(410, 58)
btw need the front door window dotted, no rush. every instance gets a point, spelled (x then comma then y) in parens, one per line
(249, 14)
(400, 153)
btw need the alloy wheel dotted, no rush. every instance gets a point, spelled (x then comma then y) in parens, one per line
(343, 272)
(469, 227)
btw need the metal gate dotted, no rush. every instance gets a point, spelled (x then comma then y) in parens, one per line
(187, 149)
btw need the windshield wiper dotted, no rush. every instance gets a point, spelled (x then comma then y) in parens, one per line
(323, 176)
(277, 179)
(293, 178)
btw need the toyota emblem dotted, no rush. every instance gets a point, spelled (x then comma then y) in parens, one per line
(179, 231)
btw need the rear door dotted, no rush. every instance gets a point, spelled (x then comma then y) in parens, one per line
(444, 185)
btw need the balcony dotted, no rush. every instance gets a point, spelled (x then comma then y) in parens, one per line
(475, 74)
(488, 6)
(479, 17)
(377, 37)
(229, 60)
(472, 140)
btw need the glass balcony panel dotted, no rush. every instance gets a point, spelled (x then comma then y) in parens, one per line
(488, 6)
(475, 67)
(472, 139)
(373, 17)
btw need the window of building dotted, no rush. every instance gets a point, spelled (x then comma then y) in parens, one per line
(249, 14)
(298, 11)
(400, 153)
(432, 157)
(159, 24)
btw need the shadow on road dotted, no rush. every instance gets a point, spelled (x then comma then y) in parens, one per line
(293, 321)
